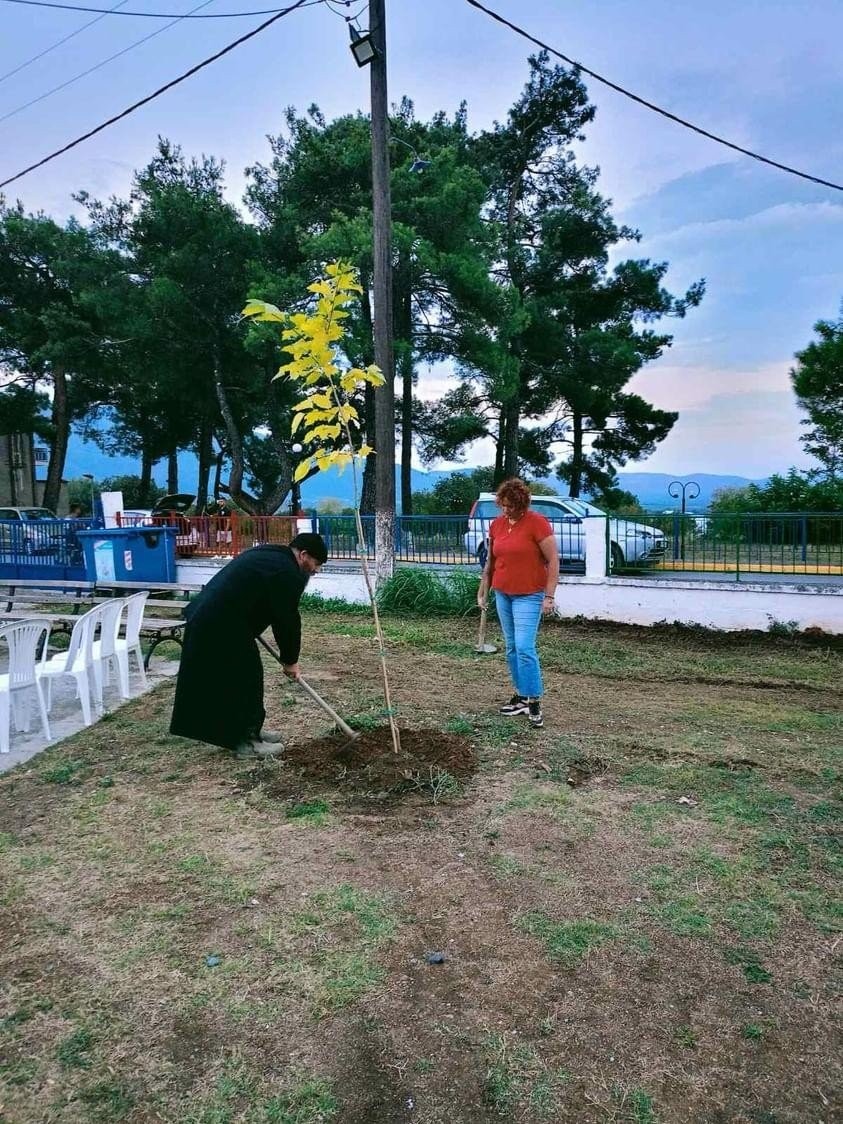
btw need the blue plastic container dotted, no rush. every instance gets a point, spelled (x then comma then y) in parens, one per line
(130, 554)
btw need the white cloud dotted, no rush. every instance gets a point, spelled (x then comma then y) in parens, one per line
(697, 234)
(672, 386)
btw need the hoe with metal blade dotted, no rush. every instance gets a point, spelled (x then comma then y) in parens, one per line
(481, 645)
(351, 735)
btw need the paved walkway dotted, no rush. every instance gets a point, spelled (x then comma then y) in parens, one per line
(66, 714)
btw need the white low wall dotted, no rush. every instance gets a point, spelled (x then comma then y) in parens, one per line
(730, 606)
(347, 586)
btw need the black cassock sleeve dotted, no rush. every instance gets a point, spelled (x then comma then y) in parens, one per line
(285, 594)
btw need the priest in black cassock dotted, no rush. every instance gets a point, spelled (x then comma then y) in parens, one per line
(219, 692)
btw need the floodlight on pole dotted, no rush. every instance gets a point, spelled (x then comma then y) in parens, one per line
(418, 164)
(90, 476)
(295, 489)
(362, 46)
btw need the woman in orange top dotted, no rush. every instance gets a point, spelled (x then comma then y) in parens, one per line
(523, 569)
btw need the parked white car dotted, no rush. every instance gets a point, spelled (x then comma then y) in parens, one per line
(30, 530)
(629, 542)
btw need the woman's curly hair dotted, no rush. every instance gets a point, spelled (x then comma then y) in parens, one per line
(514, 492)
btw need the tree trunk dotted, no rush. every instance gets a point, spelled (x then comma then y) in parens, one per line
(577, 455)
(206, 454)
(60, 419)
(512, 411)
(235, 445)
(499, 445)
(173, 472)
(407, 370)
(367, 494)
(145, 476)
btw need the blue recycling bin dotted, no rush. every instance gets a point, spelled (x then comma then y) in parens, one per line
(130, 554)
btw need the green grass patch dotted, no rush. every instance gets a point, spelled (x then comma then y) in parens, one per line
(310, 1102)
(74, 1050)
(107, 1100)
(312, 812)
(568, 942)
(749, 962)
(317, 604)
(63, 771)
(518, 1082)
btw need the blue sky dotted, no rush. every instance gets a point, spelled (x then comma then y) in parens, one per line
(764, 73)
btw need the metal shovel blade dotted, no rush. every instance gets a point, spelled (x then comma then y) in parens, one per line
(481, 646)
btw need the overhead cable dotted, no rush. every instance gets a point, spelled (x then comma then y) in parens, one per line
(147, 15)
(157, 93)
(60, 42)
(650, 105)
(99, 65)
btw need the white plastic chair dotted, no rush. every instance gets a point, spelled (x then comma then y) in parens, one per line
(22, 638)
(129, 644)
(103, 648)
(77, 662)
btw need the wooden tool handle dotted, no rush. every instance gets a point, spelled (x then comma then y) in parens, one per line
(346, 729)
(481, 635)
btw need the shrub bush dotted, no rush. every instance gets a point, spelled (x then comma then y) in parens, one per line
(430, 593)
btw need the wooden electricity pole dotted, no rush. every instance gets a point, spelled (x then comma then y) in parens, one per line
(382, 283)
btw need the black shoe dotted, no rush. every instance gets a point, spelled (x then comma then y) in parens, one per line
(516, 705)
(534, 709)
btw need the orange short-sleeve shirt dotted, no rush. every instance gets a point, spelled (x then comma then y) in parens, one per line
(519, 565)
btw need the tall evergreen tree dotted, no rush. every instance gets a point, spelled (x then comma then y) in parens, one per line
(818, 382)
(54, 282)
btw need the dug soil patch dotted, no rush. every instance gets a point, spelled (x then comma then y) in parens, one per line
(370, 765)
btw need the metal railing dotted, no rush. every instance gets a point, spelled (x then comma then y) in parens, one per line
(739, 544)
(744, 543)
(46, 547)
(218, 535)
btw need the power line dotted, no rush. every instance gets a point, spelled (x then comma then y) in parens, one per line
(149, 15)
(72, 35)
(99, 65)
(161, 89)
(648, 104)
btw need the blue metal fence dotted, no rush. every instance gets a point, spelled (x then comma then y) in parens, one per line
(745, 544)
(45, 548)
(735, 543)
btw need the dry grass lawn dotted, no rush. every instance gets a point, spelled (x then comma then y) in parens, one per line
(630, 915)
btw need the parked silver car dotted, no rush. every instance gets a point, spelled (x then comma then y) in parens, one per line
(629, 542)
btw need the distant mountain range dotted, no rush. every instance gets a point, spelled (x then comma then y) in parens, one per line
(651, 488)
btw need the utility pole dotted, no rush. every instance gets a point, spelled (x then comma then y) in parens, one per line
(382, 245)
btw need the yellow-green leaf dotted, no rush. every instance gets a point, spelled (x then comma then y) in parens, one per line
(261, 310)
(302, 469)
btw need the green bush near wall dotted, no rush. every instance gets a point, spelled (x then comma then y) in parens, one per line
(430, 593)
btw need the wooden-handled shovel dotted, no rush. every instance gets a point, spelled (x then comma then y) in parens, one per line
(352, 735)
(481, 645)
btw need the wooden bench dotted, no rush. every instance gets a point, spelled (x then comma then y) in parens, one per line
(32, 598)
(157, 628)
(16, 593)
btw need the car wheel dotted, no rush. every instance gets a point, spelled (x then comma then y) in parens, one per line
(482, 553)
(617, 558)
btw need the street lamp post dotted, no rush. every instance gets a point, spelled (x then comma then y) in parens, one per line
(683, 490)
(295, 487)
(89, 476)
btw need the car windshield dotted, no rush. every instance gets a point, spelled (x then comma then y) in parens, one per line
(33, 514)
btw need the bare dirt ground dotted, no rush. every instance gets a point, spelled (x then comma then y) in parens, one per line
(630, 915)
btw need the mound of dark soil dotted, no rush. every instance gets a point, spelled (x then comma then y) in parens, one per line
(370, 764)
(429, 764)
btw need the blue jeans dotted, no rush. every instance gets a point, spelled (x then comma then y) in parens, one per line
(520, 615)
